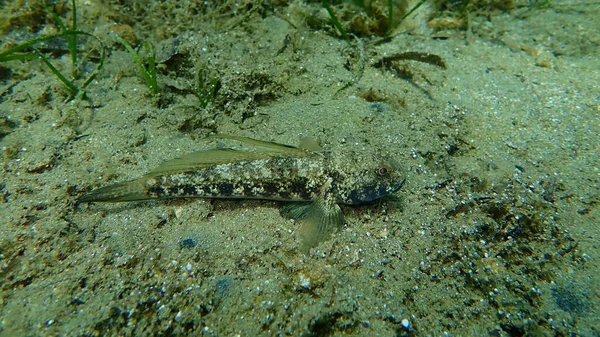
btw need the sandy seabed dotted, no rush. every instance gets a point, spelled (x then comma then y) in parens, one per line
(495, 232)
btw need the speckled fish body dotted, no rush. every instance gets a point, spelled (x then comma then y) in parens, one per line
(269, 171)
(279, 178)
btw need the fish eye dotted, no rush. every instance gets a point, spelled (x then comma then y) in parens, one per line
(383, 171)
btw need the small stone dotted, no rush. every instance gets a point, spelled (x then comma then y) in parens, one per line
(544, 60)
(304, 281)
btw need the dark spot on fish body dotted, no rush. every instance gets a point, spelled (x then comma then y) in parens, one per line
(247, 188)
(173, 190)
(156, 192)
(271, 188)
(303, 189)
(366, 193)
(189, 189)
(285, 194)
(225, 189)
(182, 190)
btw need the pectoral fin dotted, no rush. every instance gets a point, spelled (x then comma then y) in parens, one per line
(318, 221)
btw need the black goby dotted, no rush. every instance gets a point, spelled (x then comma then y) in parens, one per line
(319, 180)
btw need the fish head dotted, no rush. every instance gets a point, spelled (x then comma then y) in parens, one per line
(365, 177)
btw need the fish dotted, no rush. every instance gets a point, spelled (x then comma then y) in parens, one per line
(315, 181)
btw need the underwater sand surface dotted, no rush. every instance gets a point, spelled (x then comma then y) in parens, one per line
(495, 232)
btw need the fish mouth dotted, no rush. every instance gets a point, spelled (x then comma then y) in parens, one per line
(398, 174)
(396, 187)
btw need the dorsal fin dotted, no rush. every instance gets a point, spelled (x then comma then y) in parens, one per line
(310, 144)
(201, 159)
(206, 158)
(271, 149)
